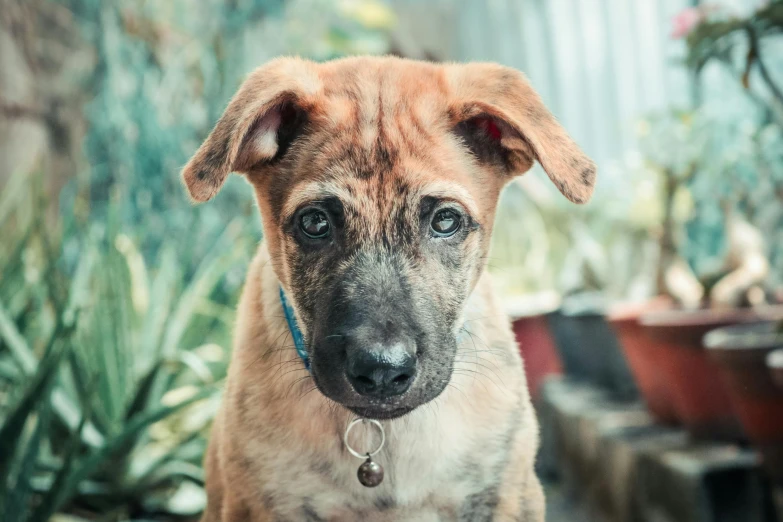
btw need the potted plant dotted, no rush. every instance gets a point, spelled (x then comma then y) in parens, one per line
(701, 399)
(669, 168)
(721, 296)
(586, 343)
(726, 173)
(742, 353)
(672, 148)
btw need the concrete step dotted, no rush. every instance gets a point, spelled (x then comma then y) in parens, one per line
(626, 468)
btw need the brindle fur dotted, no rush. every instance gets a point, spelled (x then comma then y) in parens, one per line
(380, 140)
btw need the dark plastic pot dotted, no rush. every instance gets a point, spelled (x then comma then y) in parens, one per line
(641, 356)
(529, 321)
(588, 347)
(741, 353)
(775, 365)
(700, 396)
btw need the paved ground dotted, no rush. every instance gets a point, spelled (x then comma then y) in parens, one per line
(559, 508)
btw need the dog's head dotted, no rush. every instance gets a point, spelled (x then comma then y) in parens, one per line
(377, 180)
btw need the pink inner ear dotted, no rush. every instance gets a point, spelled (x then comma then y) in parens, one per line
(490, 127)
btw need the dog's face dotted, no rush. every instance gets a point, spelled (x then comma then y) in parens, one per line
(377, 180)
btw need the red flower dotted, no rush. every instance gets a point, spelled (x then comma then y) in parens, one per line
(684, 22)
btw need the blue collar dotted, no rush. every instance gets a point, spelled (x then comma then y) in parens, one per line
(296, 333)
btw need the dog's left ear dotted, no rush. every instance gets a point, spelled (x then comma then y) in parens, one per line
(261, 120)
(499, 104)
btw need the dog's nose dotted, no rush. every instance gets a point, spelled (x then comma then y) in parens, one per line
(382, 370)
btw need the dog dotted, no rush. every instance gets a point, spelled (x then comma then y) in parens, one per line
(377, 180)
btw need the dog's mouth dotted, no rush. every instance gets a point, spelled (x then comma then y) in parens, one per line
(381, 412)
(382, 388)
(377, 409)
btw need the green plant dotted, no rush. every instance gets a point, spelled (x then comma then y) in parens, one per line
(108, 370)
(564, 249)
(720, 36)
(673, 148)
(740, 105)
(115, 308)
(716, 172)
(127, 90)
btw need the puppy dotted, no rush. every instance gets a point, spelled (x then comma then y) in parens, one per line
(377, 181)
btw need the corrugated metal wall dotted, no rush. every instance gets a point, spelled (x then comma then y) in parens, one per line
(598, 64)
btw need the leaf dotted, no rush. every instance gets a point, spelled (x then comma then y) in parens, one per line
(196, 365)
(137, 270)
(19, 495)
(80, 291)
(188, 500)
(210, 272)
(161, 297)
(170, 472)
(63, 405)
(12, 193)
(14, 262)
(131, 431)
(110, 352)
(10, 432)
(47, 506)
(140, 400)
(16, 343)
(9, 371)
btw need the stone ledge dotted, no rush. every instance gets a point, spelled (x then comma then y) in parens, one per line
(626, 468)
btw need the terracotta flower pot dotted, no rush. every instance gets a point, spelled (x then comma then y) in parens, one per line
(640, 352)
(700, 397)
(588, 346)
(528, 319)
(741, 353)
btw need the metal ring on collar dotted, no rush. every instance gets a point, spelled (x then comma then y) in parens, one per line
(364, 421)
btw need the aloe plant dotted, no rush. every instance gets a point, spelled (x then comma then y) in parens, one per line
(108, 376)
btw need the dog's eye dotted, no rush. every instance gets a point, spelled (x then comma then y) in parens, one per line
(314, 224)
(445, 223)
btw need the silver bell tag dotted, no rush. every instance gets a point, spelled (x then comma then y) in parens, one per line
(370, 473)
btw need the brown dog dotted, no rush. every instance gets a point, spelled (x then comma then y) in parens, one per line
(377, 180)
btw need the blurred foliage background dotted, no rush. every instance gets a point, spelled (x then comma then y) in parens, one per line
(117, 295)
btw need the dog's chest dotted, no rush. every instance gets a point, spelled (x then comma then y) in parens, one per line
(429, 492)
(448, 475)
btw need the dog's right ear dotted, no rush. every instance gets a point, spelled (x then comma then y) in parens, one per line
(259, 123)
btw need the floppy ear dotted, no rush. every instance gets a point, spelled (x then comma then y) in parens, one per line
(499, 105)
(259, 123)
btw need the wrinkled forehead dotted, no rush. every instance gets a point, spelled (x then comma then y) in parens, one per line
(382, 198)
(379, 140)
(366, 94)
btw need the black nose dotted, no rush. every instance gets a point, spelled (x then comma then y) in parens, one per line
(381, 370)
